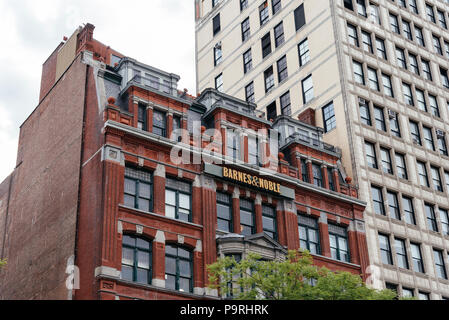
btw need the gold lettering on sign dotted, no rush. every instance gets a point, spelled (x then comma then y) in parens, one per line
(251, 180)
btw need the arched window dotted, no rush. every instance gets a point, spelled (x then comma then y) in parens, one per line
(178, 268)
(136, 259)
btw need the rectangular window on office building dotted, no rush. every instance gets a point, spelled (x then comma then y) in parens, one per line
(359, 75)
(300, 19)
(401, 253)
(378, 200)
(276, 6)
(394, 124)
(159, 123)
(142, 117)
(266, 45)
(317, 175)
(371, 158)
(219, 82)
(271, 111)
(422, 173)
(440, 266)
(178, 200)
(444, 219)
(247, 221)
(247, 61)
(393, 205)
(269, 221)
(366, 41)
(253, 150)
(246, 32)
(338, 239)
(401, 168)
(249, 92)
(386, 160)
(263, 13)
(282, 69)
(430, 217)
(279, 35)
(307, 89)
(379, 117)
(224, 212)
(352, 35)
(304, 54)
(243, 4)
(380, 48)
(309, 234)
(365, 115)
(216, 24)
(418, 264)
(138, 191)
(330, 122)
(218, 55)
(436, 178)
(285, 104)
(386, 82)
(269, 79)
(414, 131)
(385, 249)
(409, 210)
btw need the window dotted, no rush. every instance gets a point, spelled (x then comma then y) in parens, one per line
(361, 7)
(386, 82)
(304, 171)
(266, 45)
(444, 77)
(330, 176)
(380, 48)
(385, 249)
(419, 36)
(138, 189)
(413, 6)
(444, 219)
(413, 63)
(422, 172)
(367, 43)
(437, 45)
(219, 82)
(379, 118)
(409, 210)
(434, 105)
(359, 76)
(269, 79)
(317, 175)
(269, 221)
(401, 168)
(393, 205)
(232, 144)
(282, 69)
(401, 253)
(309, 234)
(372, 79)
(407, 30)
(428, 139)
(279, 35)
(378, 200)
(253, 150)
(330, 122)
(426, 69)
(365, 116)
(421, 100)
(216, 24)
(407, 91)
(436, 178)
(136, 260)
(401, 58)
(446, 177)
(408, 293)
(418, 264)
(246, 32)
(430, 14)
(374, 13)
(423, 295)
(214, 3)
(249, 92)
(348, 4)
(218, 55)
(386, 160)
(224, 212)
(152, 81)
(414, 131)
(276, 6)
(285, 104)
(247, 61)
(247, 223)
(338, 239)
(352, 35)
(142, 117)
(442, 145)
(178, 268)
(304, 54)
(271, 111)
(439, 264)
(394, 23)
(371, 158)
(243, 4)
(307, 89)
(178, 200)
(394, 125)
(446, 48)
(431, 218)
(442, 19)
(263, 13)
(300, 18)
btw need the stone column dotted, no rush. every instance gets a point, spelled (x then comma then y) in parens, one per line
(258, 214)
(325, 176)
(150, 118)
(135, 111)
(310, 170)
(159, 260)
(352, 244)
(159, 190)
(287, 221)
(336, 179)
(198, 267)
(324, 235)
(169, 124)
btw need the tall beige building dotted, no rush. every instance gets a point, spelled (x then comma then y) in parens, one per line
(376, 74)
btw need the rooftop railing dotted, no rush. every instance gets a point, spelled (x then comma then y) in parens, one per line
(304, 139)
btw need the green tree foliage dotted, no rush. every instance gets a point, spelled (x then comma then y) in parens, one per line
(2, 263)
(296, 278)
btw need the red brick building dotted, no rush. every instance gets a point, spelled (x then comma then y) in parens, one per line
(96, 185)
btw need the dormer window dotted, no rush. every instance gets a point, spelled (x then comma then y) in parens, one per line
(159, 123)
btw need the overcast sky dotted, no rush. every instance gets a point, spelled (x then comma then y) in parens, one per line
(156, 32)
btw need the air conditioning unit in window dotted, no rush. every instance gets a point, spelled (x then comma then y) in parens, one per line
(392, 114)
(362, 101)
(440, 133)
(218, 45)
